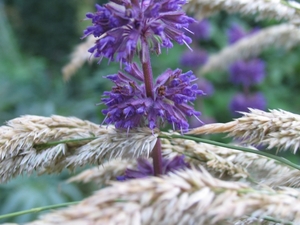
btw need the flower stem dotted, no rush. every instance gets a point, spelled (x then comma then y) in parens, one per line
(148, 79)
(157, 159)
(36, 210)
(147, 69)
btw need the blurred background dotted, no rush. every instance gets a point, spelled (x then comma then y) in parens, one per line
(36, 42)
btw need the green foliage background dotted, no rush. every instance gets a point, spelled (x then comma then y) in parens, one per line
(36, 40)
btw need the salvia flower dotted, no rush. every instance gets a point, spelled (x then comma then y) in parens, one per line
(247, 72)
(129, 106)
(145, 168)
(122, 26)
(241, 102)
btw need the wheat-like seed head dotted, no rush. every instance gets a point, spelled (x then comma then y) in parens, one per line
(196, 154)
(230, 164)
(104, 173)
(200, 153)
(78, 57)
(284, 179)
(277, 128)
(222, 162)
(262, 9)
(50, 144)
(188, 197)
(280, 36)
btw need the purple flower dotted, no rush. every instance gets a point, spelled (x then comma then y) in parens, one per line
(206, 86)
(201, 30)
(129, 107)
(236, 32)
(123, 26)
(204, 120)
(145, 168)
(193, 59)
(241, 102)
(247, 72)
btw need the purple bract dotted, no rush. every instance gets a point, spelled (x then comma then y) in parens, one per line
(120, 26)
(129, 107)
(145, 168)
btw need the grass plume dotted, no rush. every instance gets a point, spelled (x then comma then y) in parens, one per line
(280, 36)
(51, 144)
(277, 128)
(195, 196)
(262, 9)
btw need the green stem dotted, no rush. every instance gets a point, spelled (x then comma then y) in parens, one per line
(276, 158)
(36, 210)
(286, 2)
(272, 219)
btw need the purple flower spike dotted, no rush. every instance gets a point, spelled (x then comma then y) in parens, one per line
(241, 102)
(129, 107)
(145, 168)
(120, 25)
(247, 72)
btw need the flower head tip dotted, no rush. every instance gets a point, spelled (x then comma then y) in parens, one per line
(121, 26)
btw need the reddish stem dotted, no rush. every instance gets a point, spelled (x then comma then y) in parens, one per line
(157, 158)
(148, 80)
(147, 70)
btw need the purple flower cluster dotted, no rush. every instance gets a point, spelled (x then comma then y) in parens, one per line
(241, 102)
(120, 26)
(246, 73)
(128, 105)
(145, 168)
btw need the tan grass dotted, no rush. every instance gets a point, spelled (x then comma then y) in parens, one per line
(230, 164)
(78, 57)
(262, 170)
(200, 153)
(104, 173)
(277, 128)
(24, 148)
(261, 9)
(188, 197)
(196, 154)
(284, 179)
(224, 163)
(280, 36)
